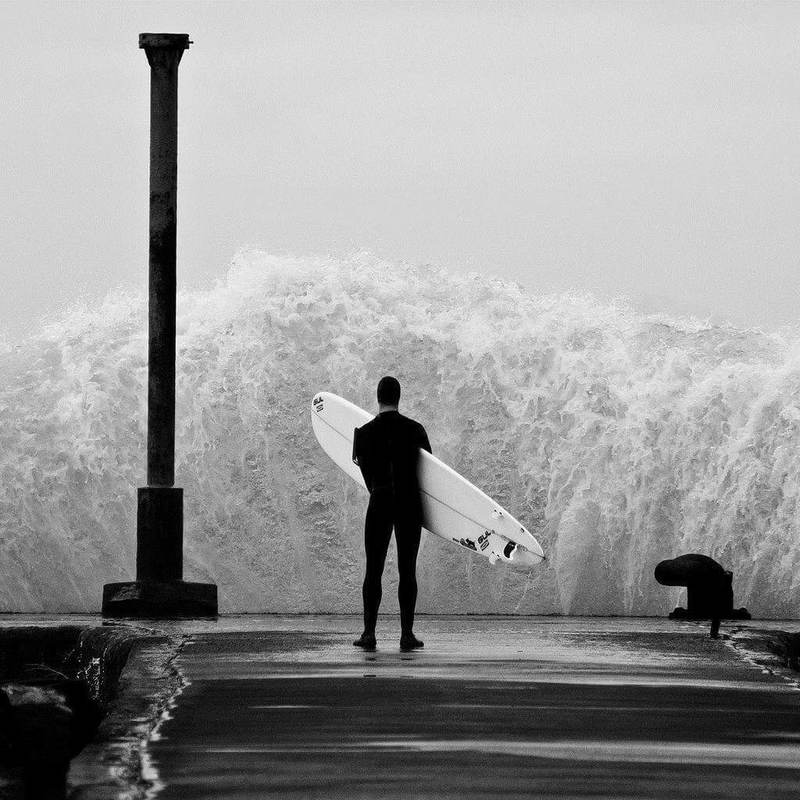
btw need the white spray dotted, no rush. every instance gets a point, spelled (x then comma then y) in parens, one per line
(618, 439)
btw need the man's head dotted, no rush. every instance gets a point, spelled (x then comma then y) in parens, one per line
(388, 391)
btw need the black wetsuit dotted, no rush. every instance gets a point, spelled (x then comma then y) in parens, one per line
(386, 450)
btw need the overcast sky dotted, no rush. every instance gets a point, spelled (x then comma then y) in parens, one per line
(645, 150)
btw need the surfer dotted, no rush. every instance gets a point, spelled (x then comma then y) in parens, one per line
(386, 451)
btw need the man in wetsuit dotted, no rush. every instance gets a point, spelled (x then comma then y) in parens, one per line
(386, 450)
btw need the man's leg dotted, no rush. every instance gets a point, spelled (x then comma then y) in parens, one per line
(407, 535)
(377, 532)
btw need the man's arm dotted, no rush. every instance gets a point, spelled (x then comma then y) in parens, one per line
(423, 440)
(360, 459)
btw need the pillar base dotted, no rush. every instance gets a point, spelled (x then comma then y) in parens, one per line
(159, 534)
(159, 599)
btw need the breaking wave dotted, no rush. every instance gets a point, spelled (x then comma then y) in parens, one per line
(619, 439)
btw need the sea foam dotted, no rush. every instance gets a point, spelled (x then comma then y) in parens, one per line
(619, 439)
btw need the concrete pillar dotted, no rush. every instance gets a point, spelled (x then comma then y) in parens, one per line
(164, 53)
(159, 589)
(159, 530)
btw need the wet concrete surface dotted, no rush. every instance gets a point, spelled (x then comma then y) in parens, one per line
(492, 707)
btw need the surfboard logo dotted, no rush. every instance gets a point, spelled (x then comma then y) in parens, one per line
(483, 540)
(466, 543)
(318, 404)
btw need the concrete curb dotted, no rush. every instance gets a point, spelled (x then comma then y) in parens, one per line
(114, 764)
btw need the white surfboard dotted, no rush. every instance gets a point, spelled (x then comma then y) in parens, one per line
(452, 507)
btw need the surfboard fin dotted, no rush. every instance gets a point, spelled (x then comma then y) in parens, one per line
(509, 549)
(493, 558)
